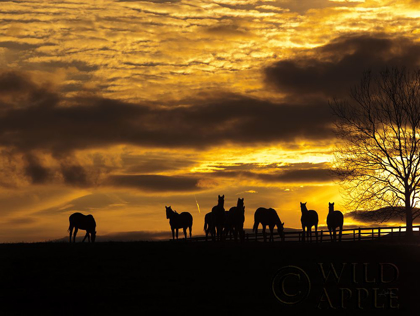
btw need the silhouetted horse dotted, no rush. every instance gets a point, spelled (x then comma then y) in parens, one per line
(308, 219)
(183, 220)
(218, 216)
(84, 222)
(236, 220)
(208, 225)
(228, 227)
(334, 219)
(268, 216)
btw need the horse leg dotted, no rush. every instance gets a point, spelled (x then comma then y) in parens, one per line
(185, 232)
(173, 233)
(271, 234)
(71, 231)
(303, 234)
(330, 230)
(256, 230)
(265, 237)
(75, 233)
(190, 230)
(176, 233)
(334, 234)
(310, 233)
(316, 232)
(87, 234)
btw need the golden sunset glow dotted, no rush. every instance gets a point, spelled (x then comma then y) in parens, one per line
(118, 108)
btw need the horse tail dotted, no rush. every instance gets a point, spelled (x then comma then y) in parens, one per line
(205, 225)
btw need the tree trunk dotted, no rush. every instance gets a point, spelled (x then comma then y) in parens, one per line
(408, 218)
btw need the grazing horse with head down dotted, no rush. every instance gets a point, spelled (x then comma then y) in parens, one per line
(84, 222)
(334, 219)
(236, 220)
(268, 216)
(308, 219)
(218, 216)
(183, 220)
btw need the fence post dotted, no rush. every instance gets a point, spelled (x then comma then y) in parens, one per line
(373, 232)
(299, 236)
(379, 233)
(247, 237)
(321, 236)
(360, 234)
(399, 233)
(354, 234)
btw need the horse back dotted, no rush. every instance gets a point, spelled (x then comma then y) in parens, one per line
(84, 222)
(182, 220)
(266, 216)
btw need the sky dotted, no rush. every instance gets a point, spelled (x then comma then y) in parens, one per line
(120, 108)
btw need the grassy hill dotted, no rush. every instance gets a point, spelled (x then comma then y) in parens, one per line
(147, 278)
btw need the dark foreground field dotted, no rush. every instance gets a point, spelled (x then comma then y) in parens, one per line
(148, 278)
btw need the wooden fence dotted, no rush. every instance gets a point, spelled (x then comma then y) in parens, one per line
(349, 234)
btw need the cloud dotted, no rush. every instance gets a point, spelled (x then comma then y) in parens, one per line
(155, 183)
(332, 69)
(35, 171)
(312, 173)
(59, 125)
(386, 214)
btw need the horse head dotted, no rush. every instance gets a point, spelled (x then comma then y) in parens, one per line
(240, 203)
(280, 229)
(221, 201)
(169, 211)
(303, 207)
(331, 207)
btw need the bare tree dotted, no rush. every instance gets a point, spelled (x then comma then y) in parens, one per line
(378, 159)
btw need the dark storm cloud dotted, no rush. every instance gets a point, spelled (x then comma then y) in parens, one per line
(150, 164)
(44, 121)
(155, 183)
(37, 173)
(396, 214)
(334, 68)
(314, 173)
(16, 82)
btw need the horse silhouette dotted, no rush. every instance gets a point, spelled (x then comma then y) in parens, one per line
(218, 217)
(228, 226)
(235, 220)
(335, 220)
(308, 219)
(268, 216)
(183, 220)
(208, 225)
(84, 222)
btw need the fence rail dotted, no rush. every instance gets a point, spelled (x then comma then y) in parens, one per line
(348, 234)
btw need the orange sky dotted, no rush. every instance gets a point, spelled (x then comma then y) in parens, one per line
(118, 108)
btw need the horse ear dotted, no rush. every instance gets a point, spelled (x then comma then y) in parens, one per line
(282, 224)
(332, 203)
(223, 196)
